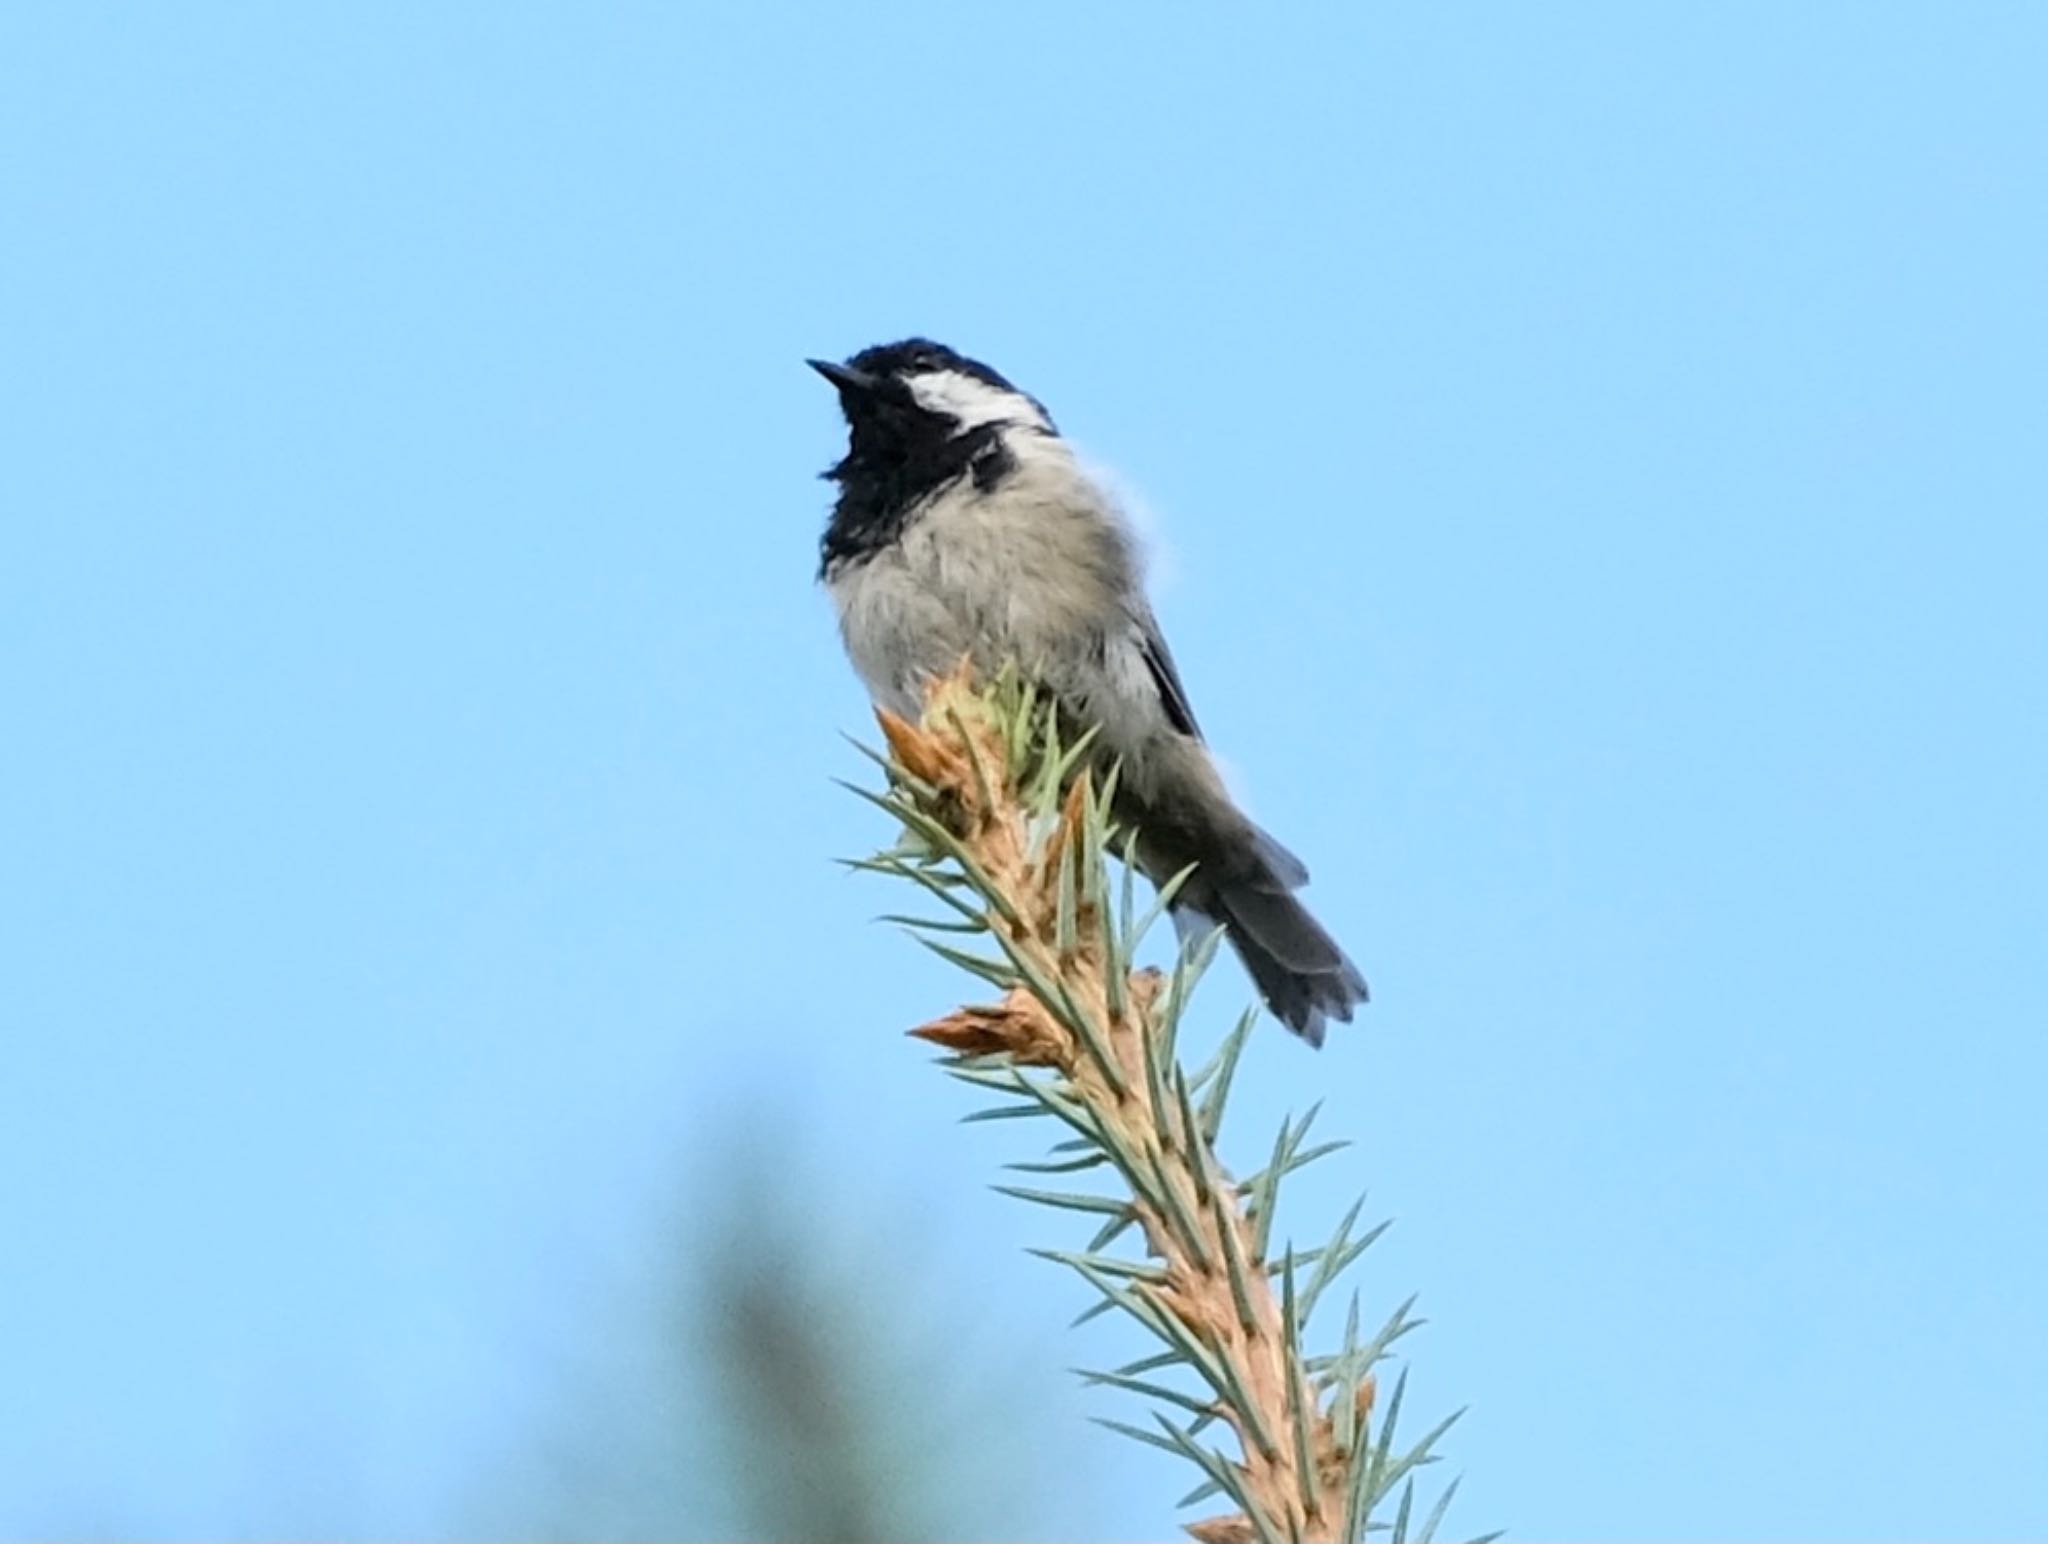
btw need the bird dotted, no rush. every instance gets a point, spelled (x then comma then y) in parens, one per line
(965, 528)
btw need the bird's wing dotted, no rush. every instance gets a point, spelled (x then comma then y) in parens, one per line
(1159, 660)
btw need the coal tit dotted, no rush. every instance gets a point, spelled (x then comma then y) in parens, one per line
(965, 528)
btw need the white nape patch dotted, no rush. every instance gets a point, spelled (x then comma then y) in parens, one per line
(972, 401)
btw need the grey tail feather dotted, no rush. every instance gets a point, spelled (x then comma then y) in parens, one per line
(1301, 974)
(1286, 870)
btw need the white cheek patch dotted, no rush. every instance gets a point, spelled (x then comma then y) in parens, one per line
(974, 402)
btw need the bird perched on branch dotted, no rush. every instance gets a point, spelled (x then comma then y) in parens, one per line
(965, 528)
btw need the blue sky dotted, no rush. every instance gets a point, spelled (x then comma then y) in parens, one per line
(1594, 460)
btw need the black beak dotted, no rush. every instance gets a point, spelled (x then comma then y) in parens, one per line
(846, 378)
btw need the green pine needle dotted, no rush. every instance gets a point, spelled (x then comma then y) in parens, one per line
(1224, 1475)
(1201, 1492)
(995, 972)
(934, 924)
(1191, 1403)
(1070, 1200)
(1300, 1407)
(1062, 1165)
(1223, 1070)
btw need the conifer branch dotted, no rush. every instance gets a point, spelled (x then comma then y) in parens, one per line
(1008, 829)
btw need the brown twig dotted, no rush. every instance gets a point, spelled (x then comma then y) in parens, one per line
(1210, 1290)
